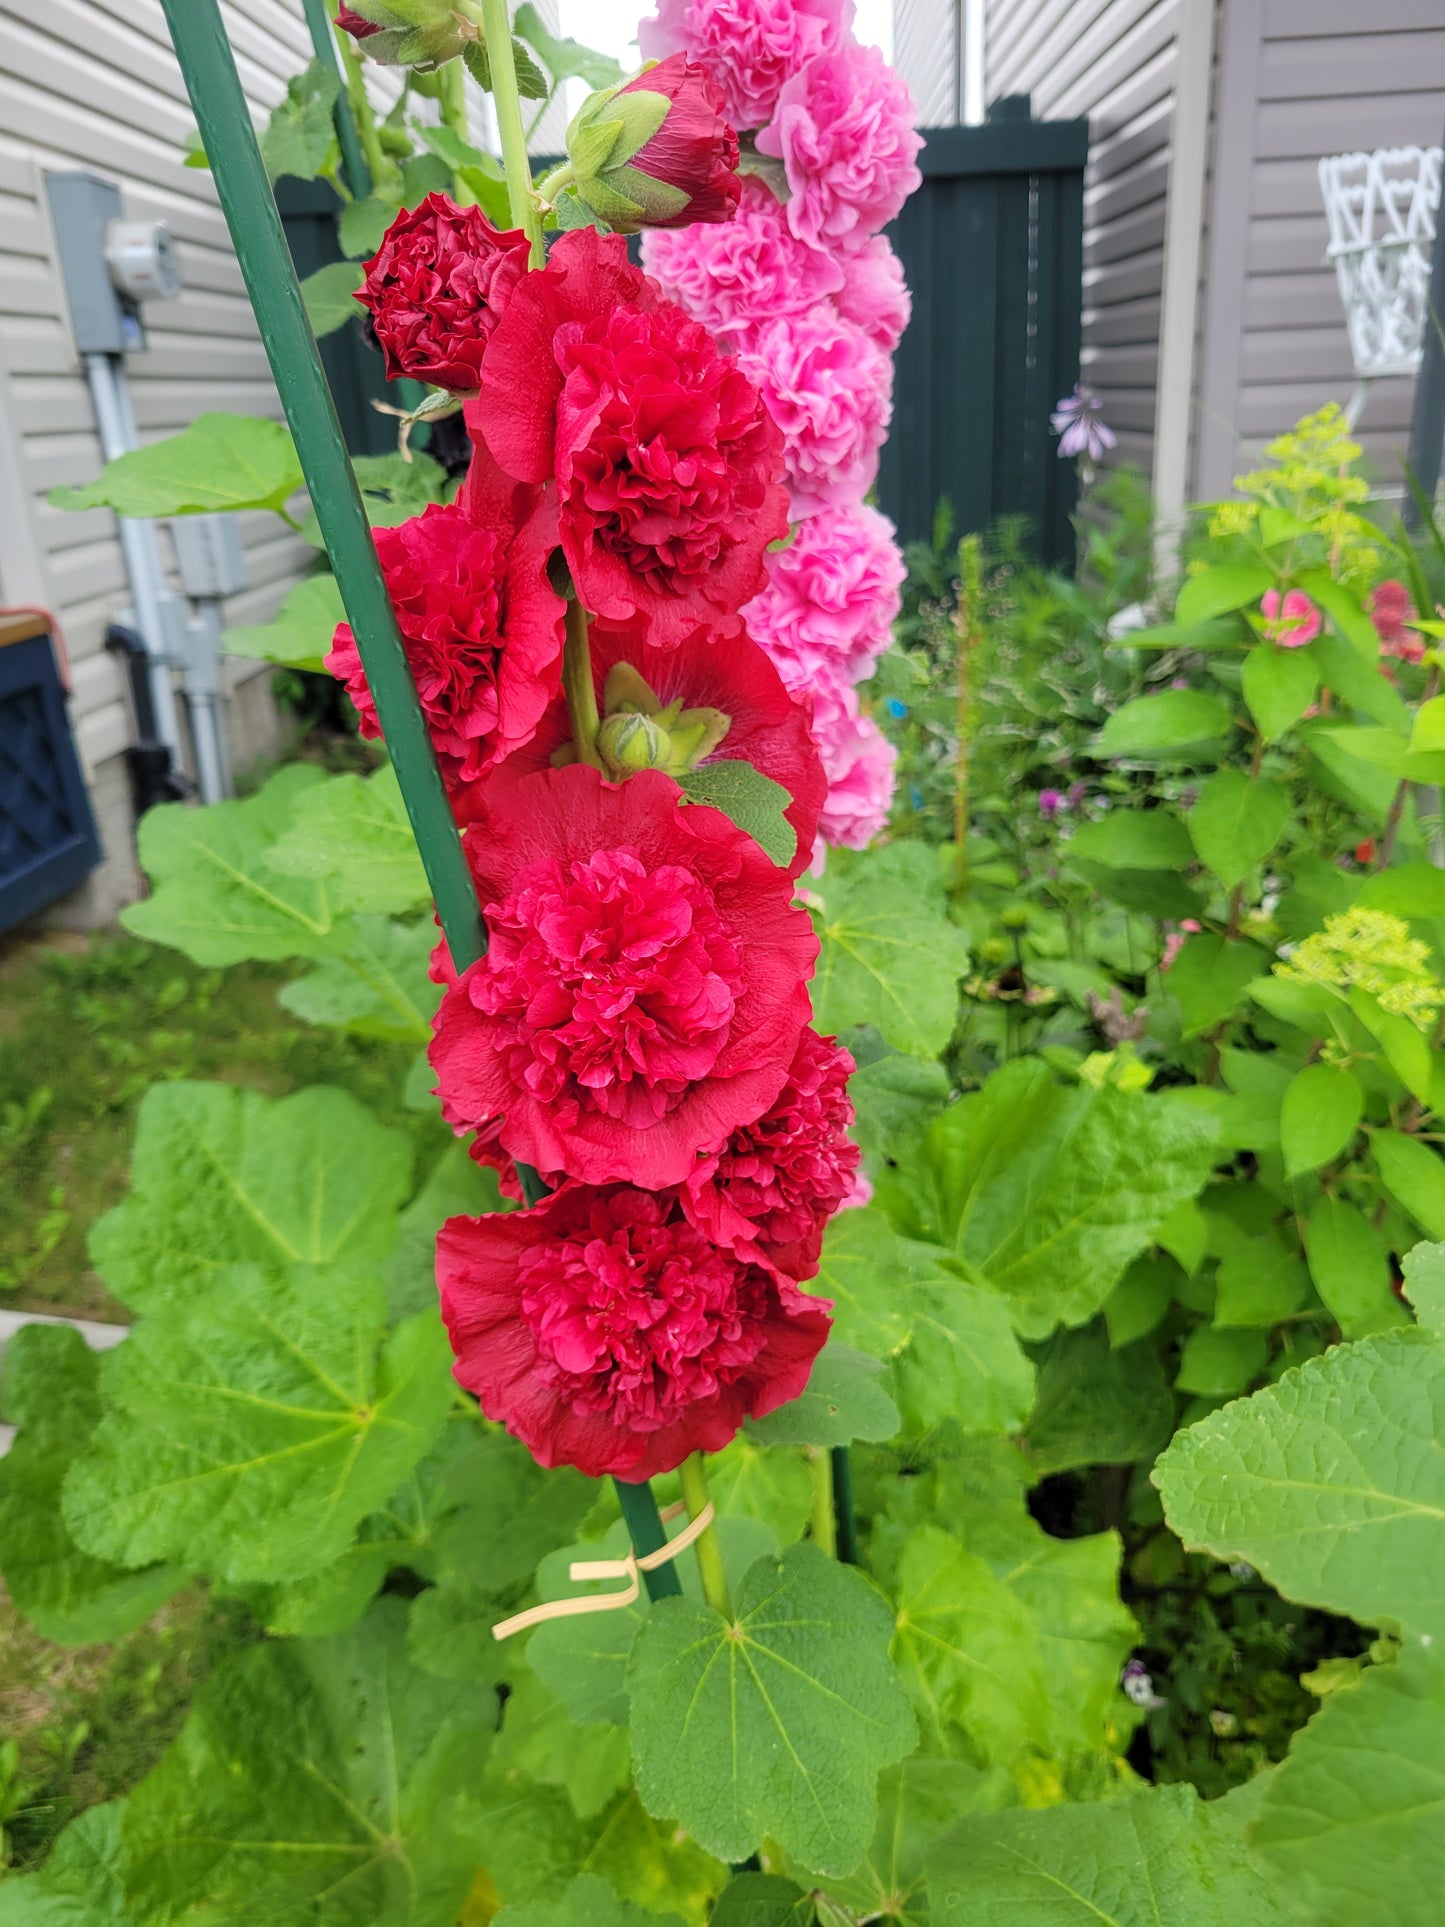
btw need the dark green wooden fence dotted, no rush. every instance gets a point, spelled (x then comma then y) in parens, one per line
(992, 245)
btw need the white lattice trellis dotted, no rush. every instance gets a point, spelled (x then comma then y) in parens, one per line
(1383, 210)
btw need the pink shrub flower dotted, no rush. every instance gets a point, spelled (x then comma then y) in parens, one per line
(751, 47)
(730, 275)
(844, 131)
(874, 296)
(830, 390)
(1391, 608)
(1175, 940)
(832, 596)
(1293, 623)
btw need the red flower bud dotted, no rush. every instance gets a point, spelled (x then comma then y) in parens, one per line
(352, 23)
(657, 152)
(437, 288)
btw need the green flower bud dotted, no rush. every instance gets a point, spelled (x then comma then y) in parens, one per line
(628, 742)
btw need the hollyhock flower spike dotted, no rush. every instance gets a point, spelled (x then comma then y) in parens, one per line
(655, 153)
(1291, 623)
(606, 1332)
(644, 986)
(832, 597)
(754, 265)
(750, 47)
(667, 464)
(436, 290)
(830, 391)
(775, 1184)
(844, 132)
(482, 626)
(874, 295)
(689, 694)
(858, 761)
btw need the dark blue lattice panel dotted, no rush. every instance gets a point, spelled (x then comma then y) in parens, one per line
(48, 842)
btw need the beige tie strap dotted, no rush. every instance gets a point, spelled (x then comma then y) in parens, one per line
(631, 1569)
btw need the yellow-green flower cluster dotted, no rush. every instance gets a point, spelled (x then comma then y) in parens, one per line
(1312, 480)
(1375, 952)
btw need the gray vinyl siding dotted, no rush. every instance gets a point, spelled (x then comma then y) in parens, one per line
(926, 51)
(1333, 76)
(93, 84)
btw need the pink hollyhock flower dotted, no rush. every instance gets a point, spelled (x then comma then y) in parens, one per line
(1293, 623)
(1391, 608)
(482, 625)
(844, 131)
(874, 295)
(858, 761)
(750, 47)
(832, 597)
(861, 1192)
(667, 464)
(644, 986)
(606, 1332)
(775, 1184)
(767, 727)
(436, 289)
(830, 390)
(729, 276)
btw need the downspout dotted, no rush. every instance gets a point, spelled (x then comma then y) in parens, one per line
(1183, 263)
(973, 54)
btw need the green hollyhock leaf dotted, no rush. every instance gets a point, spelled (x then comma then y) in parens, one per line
(1331, 1482)
(1279, 686)
(845, 1400)
(588, 1902)
(363, 224)
(393, 489)
(753, 801)
(1048, 1192)
(220, 463)
(253, 1425)
(776, 1724)
(223, 1176)
(1158, 1859)
(893, 1094)
(540, 1741)
(69, 1596)
(1014, 1637)
(1350, 1267)
(216, 896)
(1349, 1826)
(457, 1187)
(449, 1635)
(301, 133)
(355, 835)
(770, 1484)
(326, 1780)
(963, 1363)
(889, 955)
(868, 1271)
(651, 1862)
(763, 1900)
(301, 633)
(1236, 822)
(330, 297)
(380, 986)
(1424, 1269)
(1134, 840)
(534, 1839)
(1166, 725)
(1097, 1405)
(917, 1801)
(80, 1883)
(508, 1513)
(1414, 1176)
(1321, 1112)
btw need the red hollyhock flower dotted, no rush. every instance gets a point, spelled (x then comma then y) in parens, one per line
(667, 464)
(437, 289)
(352, 23)
(775, 1184)
(483, 627)
(644, 985)
(607, 1333)
(769, 728)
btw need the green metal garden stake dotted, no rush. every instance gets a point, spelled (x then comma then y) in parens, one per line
(353, 161)
(209, 68)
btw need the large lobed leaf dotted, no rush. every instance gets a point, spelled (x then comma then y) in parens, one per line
(301, 633)
(254, 1424)
(774, 1724)
(221, 462)
(354, 833)
(222, 1176)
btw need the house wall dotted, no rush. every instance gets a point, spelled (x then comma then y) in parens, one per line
(1323, 77)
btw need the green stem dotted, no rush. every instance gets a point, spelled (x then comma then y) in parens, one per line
(498, 28)
(825, 1528)
(358, 180)
(580, 690)
(551, 185)
(693, 1473)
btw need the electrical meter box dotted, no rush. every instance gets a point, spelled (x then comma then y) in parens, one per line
(110, 265)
